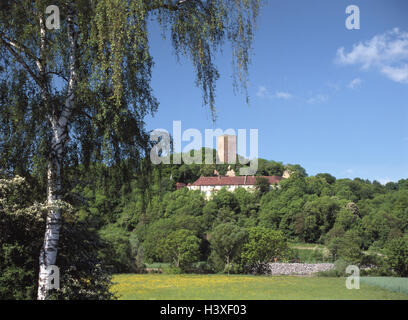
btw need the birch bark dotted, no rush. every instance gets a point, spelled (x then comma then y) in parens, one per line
(59, 126)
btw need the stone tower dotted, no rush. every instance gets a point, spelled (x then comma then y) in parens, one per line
(227, 149)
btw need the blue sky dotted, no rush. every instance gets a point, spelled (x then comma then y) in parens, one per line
(342, 111)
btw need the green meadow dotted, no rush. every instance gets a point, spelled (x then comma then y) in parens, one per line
(243, 287)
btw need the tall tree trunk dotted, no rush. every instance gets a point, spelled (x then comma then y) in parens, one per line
(48, 254)
(59, 125)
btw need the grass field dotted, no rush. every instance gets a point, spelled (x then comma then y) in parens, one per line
(241, 287)
(389, 283)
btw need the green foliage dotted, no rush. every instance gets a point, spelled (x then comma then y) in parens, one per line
(303, 208)
(181, 248)
(22, 225)
(264, 245)
(84, 275)
(226, 199)
(315, 255)
(296, 170)
(113, 91)
(108, 176)
(183, 202)
(134, 228)
(339, 269)
(262, 185)
(317, 218)
(161, 228)
(118, 253)
(327, 176)
(270, 168)
(226, 242)
(248, 202)
(171, 269)
(347, 247)
(397, 255)
(85, 89)
(375, 264)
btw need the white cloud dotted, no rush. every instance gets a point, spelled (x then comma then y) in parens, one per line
(283, 95)
(387, 53)
(355, 83)
(319, 98)
(349, 171)
(333, 86)
(263, 92)
(398, 74)
(384, 181)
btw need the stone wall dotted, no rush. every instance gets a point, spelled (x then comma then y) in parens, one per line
(298, 268)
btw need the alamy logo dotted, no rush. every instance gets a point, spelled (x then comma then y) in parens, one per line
(353, 281)
(161, 151)
(53, 279)
(353, 20)
(53, 20)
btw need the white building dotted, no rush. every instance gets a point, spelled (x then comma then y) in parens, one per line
(210, 185)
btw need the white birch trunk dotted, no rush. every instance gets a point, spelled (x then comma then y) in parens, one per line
(59, 125)
(48, 254)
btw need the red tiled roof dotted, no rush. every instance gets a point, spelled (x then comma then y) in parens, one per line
(234, 181)
(180, 185)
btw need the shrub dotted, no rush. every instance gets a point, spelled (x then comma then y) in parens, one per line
(311, 256)
(339, 270)
(397, 255)
(202, 267)
(22, 227)
(171, 269)
(137, 252)
(373, 264)
(234, 268)
(329, 273)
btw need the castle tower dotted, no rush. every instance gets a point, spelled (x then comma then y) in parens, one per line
(227, 149)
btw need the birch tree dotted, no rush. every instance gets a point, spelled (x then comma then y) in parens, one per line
(84, 88)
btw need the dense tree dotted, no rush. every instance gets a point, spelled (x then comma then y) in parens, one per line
(210, 211)
(348, 247)
(117, 255)
(297, 169)
(327, 176)
(225, 199)
(262, 185)
(226, 242)
(181, 248)
(263, 246)
(183, 202)
(270, 168)
(248, 202)
(316, 218)
(397, 255)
